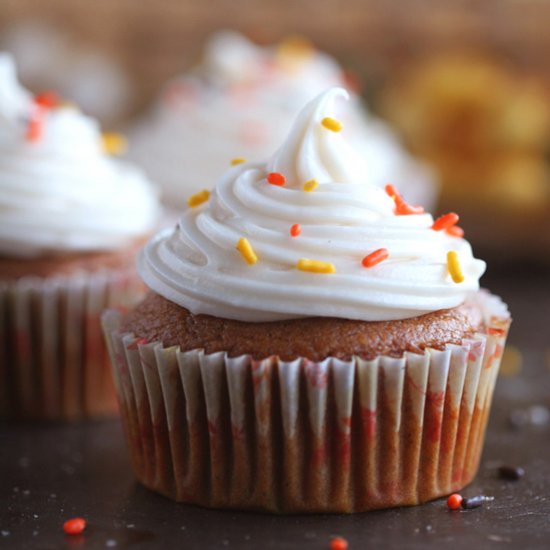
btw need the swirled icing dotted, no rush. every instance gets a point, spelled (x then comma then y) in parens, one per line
(197, 266)
(62, 193)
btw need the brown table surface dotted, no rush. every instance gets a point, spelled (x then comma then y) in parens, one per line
(54, 472)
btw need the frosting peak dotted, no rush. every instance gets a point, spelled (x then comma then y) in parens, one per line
(318, 270)
(59, 190)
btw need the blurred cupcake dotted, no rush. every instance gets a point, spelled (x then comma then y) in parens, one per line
(486, 129)
(311, 342)
(239, 103)
(71, 220)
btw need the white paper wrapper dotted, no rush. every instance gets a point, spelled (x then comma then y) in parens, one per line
(53, 360)
(300, 436)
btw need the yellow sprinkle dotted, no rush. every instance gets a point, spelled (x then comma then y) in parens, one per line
(238, 160)
(246, 250)
(512, 361)
(315, 266)
(331, 124)
(198, 198)
(114, 144)
(453, 265)
(310, 185)
(295, 46)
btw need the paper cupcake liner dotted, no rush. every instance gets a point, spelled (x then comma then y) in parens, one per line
(53, 359)
(300, 436)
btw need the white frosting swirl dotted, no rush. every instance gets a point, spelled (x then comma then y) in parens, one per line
(62, 192)
(240, 102)
(196, 264)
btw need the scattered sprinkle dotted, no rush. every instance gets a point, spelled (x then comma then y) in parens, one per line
(375, 257)
(246, 250)
(453, 265)
(276, 178)
(332, 124)
(238, 160)
(48, 100)
(475, 502)
(114, 143)
(511, 473)
(198, 198)
(74, 526)
(454, 501)
(315, 266)
(295, 230)
(455, 231)
(310, 185)
(338, 543)
(445, 222)
(402, 208)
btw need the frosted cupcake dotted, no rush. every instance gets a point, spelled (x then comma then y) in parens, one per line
(71, 221)
(311, 342)
(239, 103)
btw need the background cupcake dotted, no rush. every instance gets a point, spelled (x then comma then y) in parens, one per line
(313, 343)
(71, 219)
(239, 103)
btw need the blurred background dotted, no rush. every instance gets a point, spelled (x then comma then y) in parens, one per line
(465, 84)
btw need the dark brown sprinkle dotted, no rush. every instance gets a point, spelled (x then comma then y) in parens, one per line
(511, 473)
(475, 502)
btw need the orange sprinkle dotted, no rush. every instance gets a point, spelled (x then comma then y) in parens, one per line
(455, 231)
(402, 208)
(74, 526)
(338, 543)
(445, 222)
(35, 126)
(276, 178)
(48, 100)
(375, 257)
(454, 501)
(295, 230)
(238, 160)
(332, 124)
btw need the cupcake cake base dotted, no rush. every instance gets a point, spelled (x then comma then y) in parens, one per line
(307, 436)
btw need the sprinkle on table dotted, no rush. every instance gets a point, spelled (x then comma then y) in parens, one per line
(332, 124)
(338, 543)
(375, 257)
(310, 185)
(198, 198)
(453, 265)
(295, 230)
(74, 526)
(246, 250)
(238, 160)
(114, 143)
(402, 208)
(445, 222)
(315, 266)
(454, 501)
(455, 231)
(276, 178)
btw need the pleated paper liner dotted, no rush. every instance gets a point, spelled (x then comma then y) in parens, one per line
(301, 436)
(53, 360)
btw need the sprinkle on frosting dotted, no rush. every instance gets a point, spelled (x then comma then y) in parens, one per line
(402, 208)
(332, 124)
(295, 230)
(455, 231)
(374, 258)
(35, 125)
(48, 100)
(198, 198)
(310, 185)
(114, 143)
(453, 265)
(246, 250)
(276, 178)
(315, 266)
(238, 160)
(445, 222)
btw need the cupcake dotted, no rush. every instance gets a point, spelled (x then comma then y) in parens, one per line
(311, 342)
(239, 103)
(71, 220)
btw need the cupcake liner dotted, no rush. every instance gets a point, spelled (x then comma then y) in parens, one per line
(303, 436)
(53, 360)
